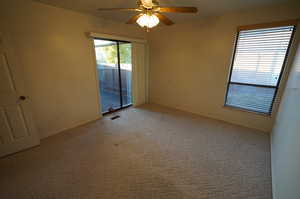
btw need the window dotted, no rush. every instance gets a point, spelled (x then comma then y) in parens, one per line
(257, 66)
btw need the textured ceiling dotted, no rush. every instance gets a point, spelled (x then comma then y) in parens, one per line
(205, 7)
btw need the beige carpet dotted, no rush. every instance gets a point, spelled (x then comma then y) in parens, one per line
(149, 153)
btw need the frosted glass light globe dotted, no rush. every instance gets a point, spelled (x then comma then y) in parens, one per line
(148, 20)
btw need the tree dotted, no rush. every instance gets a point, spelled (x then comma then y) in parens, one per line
(111, 56)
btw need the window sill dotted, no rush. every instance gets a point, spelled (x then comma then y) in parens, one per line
(247, 110)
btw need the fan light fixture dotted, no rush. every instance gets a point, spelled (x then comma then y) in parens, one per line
(150, 13)
(148, 20)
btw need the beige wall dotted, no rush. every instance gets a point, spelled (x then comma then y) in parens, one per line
(57, 60)
(285, 139)
(189, 64)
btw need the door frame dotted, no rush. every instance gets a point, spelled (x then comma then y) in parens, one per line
(91, 36)
(119, 75)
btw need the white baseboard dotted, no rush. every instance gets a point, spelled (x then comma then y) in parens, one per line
(48, 134)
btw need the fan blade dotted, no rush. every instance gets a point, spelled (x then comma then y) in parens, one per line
(133, 19)
(164, 19)
(178, 9)
(119, 9)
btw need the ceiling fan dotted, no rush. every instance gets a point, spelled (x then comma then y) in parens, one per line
(149, 13)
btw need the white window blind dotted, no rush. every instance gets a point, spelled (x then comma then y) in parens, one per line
(257, 66)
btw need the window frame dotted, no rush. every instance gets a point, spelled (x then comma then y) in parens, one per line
(283, 68)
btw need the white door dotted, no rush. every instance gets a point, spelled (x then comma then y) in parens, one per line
(17, 130)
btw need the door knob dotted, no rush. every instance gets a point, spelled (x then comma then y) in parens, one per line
(22, 97)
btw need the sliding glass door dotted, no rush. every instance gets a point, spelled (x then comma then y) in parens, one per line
(126, 71)
(114, 73)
